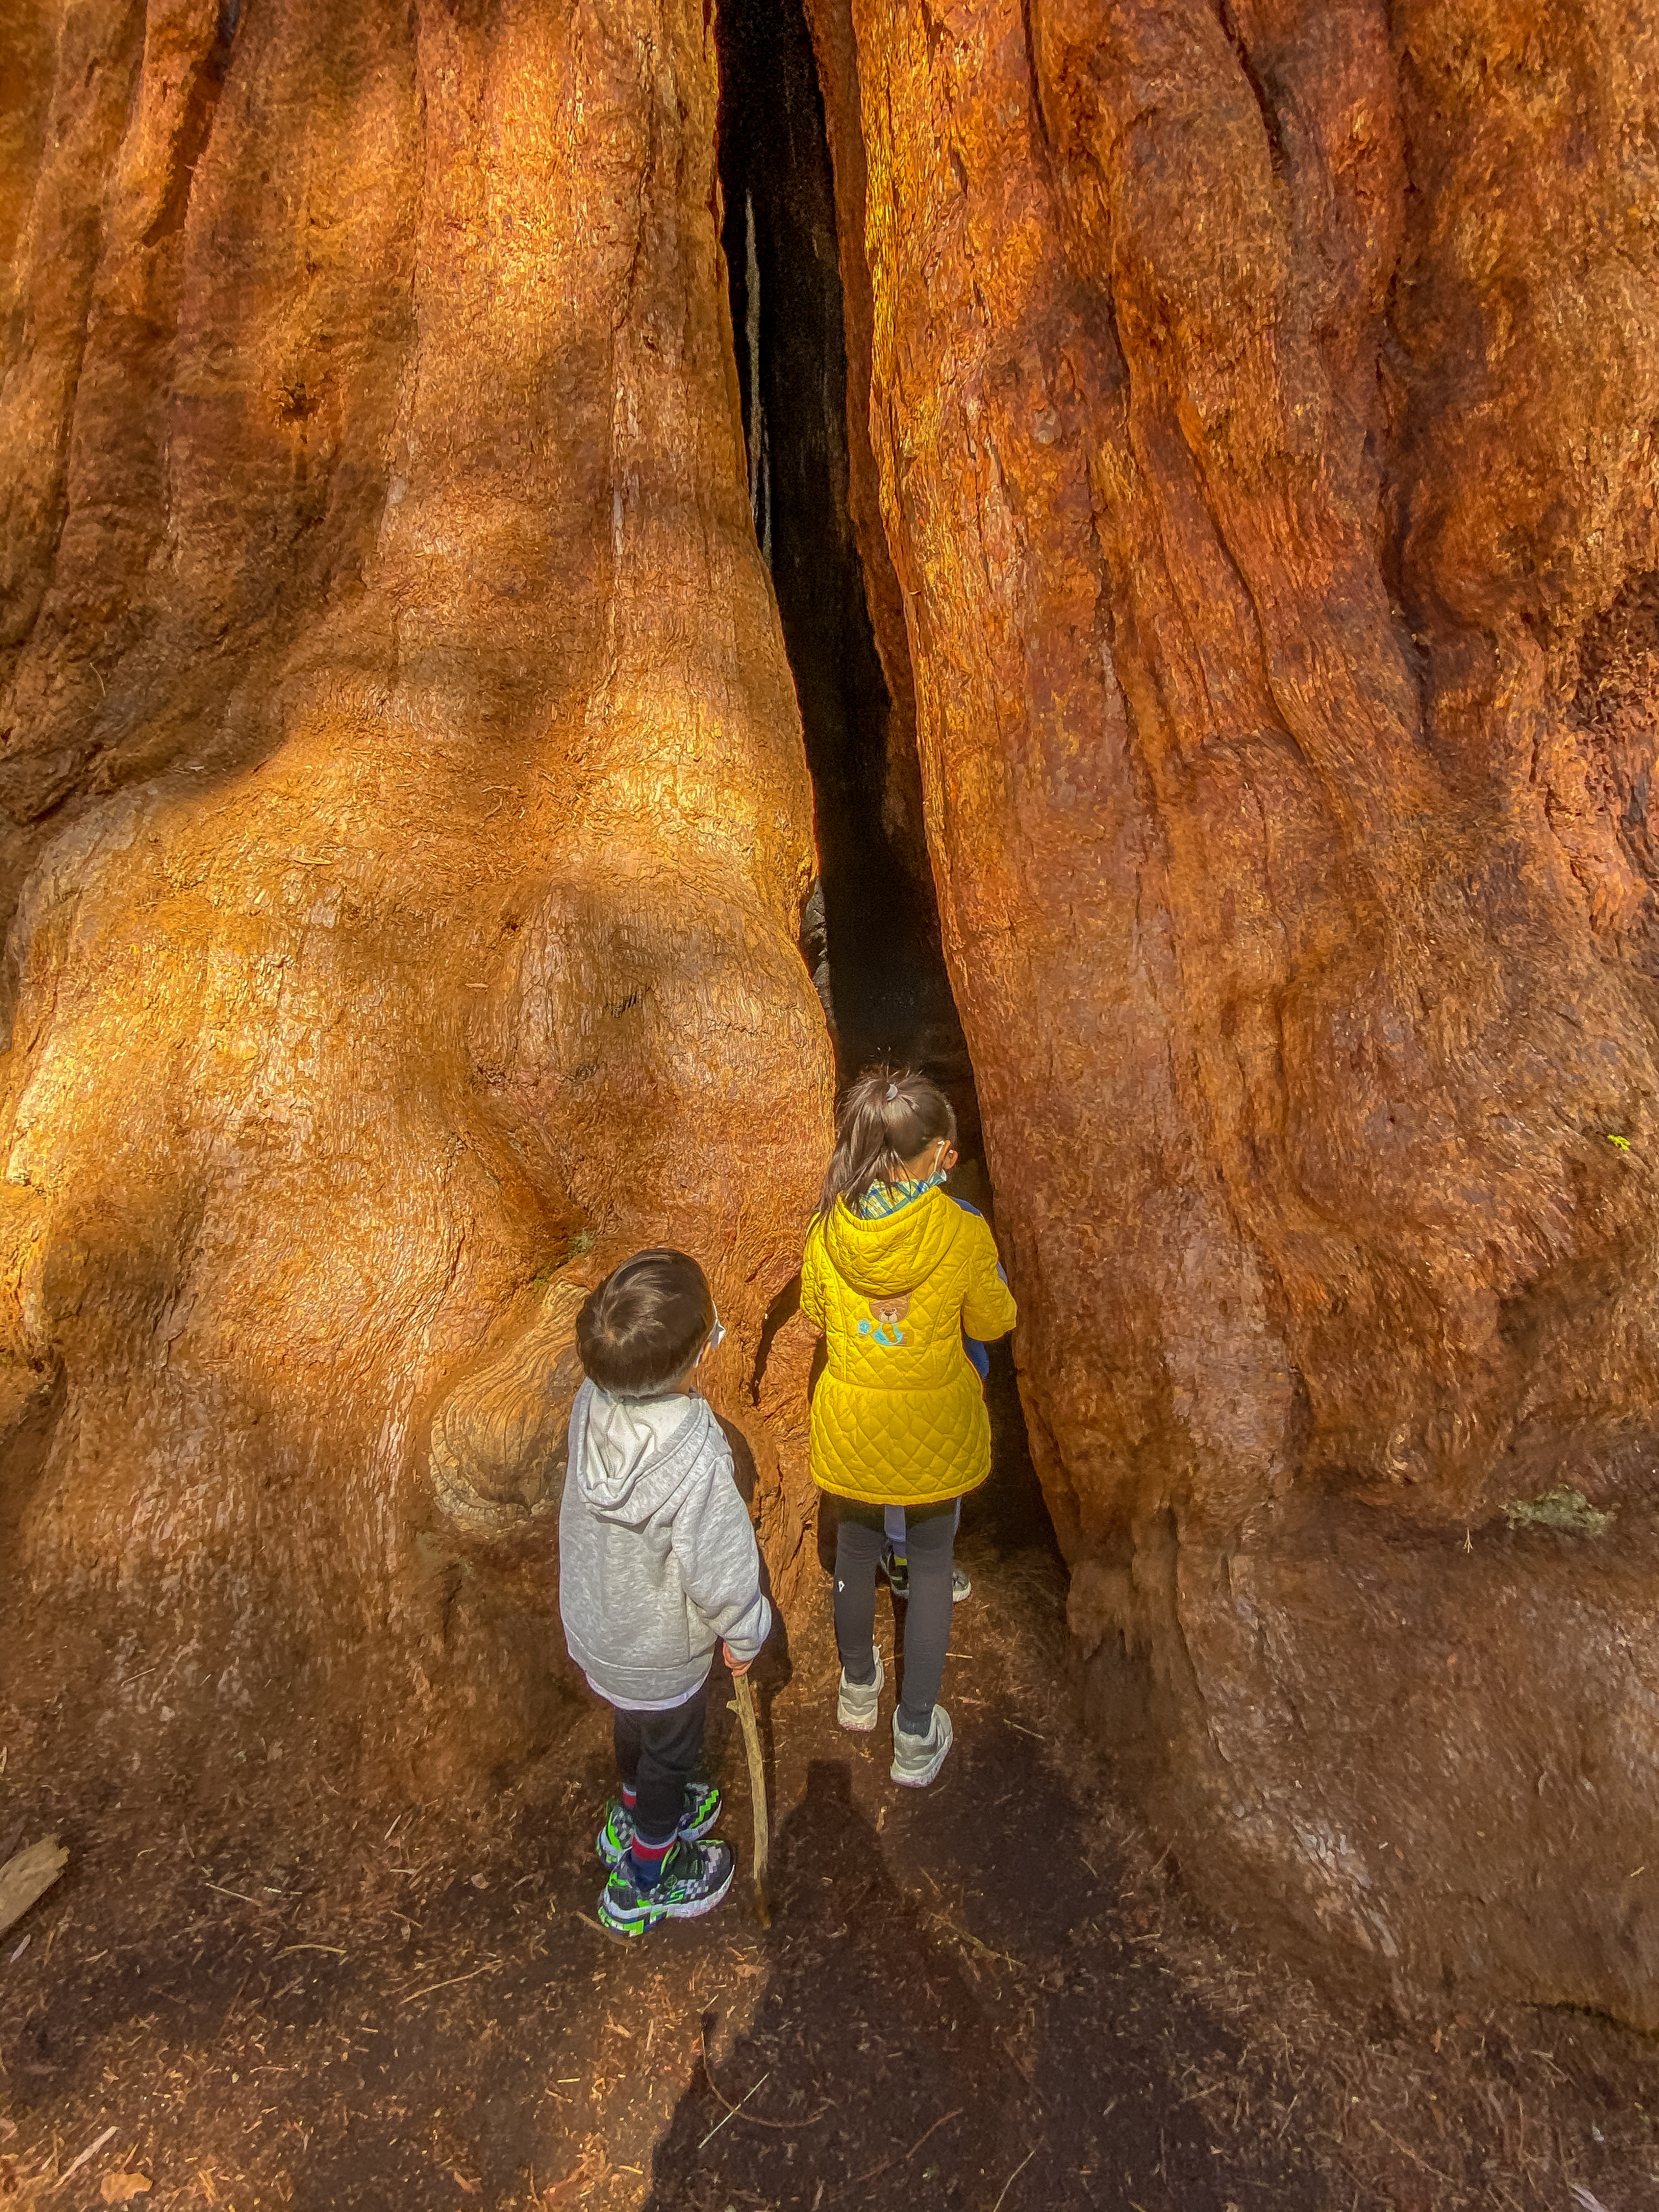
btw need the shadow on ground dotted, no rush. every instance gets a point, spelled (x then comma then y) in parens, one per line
(894, 2053)
(985, 1994)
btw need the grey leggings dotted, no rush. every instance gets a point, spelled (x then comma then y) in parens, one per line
(859, 1541)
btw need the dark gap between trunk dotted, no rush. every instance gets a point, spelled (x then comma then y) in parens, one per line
(872, 935)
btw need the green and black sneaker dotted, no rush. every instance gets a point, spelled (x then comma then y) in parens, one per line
(695, 1878)
(703, 1809)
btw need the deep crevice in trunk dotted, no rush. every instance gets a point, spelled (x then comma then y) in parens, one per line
(872, 934)
(890, 992)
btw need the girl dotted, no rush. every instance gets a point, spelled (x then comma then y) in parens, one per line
(894, 1271)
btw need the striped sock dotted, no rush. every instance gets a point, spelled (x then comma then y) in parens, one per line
(628, 1796)
(649, 1860)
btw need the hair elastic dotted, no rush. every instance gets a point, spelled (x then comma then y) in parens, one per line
(892, 1090)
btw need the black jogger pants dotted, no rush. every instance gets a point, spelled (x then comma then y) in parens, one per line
(657, 1755)
(932, 1546)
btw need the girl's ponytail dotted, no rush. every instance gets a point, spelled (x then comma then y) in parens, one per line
(884, 1119)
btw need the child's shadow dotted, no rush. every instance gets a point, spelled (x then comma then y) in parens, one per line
(771, 1672)
(852, 2046)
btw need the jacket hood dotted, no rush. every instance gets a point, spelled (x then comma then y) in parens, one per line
(630, 1454)
(884, 1259)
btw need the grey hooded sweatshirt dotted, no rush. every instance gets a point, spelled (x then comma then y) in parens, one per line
(658, 1563)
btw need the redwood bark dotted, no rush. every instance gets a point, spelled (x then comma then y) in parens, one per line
(409, 825)
(1263, 397)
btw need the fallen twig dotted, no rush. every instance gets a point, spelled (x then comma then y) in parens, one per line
(934, 2131)
(973, 1944)
(26, 1878)
(91, 2149)
(736, 2108)
(753, 2119)
(887, 2164)
(488, 1966)
(1014, 2176)
(708, 2072)
(1410, 2153)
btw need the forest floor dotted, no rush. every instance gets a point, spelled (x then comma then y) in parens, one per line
(988, 1995)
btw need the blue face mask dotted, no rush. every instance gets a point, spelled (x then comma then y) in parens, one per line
(941, 1174)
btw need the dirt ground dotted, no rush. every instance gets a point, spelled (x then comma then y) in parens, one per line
(989, 1995)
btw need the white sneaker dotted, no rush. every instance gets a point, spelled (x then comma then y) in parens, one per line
(918, 1759)
(858, 1706)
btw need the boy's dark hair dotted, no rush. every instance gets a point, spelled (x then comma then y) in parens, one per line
(885, 1118)
(644, 1324)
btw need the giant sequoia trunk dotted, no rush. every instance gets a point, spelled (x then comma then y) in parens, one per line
(1264, 398)
(1250, 446)
(409, 830)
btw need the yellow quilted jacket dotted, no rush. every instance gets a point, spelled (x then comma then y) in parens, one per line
(898, 1417)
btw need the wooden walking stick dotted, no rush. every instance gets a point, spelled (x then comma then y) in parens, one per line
(756, 1792)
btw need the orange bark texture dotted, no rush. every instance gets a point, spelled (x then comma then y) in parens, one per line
(407, 825)
(1252, 444)
(1263, 396)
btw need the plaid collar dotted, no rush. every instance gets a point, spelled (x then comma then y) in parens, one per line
(884, 1198)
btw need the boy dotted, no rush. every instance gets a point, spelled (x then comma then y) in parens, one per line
(656, 1565)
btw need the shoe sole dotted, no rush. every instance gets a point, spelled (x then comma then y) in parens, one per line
(919, 1781)
(683, 1835)
(628, 1930)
